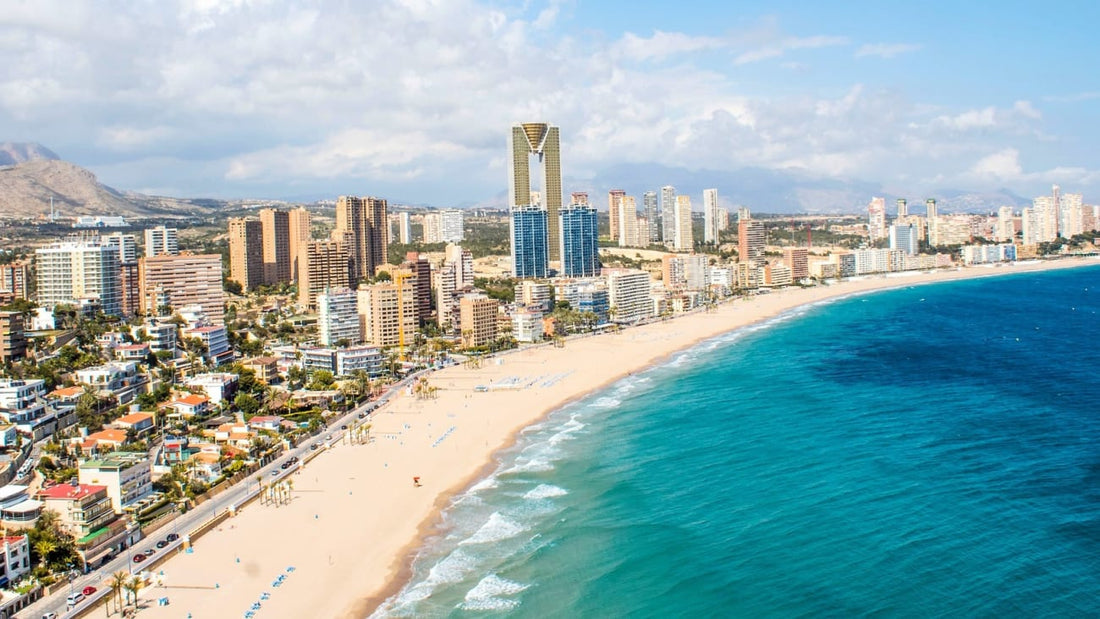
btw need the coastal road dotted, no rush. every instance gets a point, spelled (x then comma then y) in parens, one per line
(236, 495)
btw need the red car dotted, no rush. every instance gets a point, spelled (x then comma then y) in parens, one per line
(88, 591)
(139, 558)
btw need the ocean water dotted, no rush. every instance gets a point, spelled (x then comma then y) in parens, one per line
(924, 452)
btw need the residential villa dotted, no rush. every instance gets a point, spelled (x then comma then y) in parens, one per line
(127, 477)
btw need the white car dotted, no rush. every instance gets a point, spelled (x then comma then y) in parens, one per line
(74, 599)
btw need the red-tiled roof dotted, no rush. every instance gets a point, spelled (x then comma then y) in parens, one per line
(67, 491)
(134, 418)
(66, 392)
(193, 399)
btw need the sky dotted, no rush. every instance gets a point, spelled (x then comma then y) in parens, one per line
(412, 99)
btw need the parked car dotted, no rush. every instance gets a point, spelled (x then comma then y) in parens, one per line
(274, 473)
(150, 552)
(74, 599)
(172, 537)
(139, 558)
(49, 616)
(344, 427)
(162, 543)
(285, 465)
(88, 590)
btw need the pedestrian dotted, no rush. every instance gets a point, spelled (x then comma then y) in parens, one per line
(416, 482)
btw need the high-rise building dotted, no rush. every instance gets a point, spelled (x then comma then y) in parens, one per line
(386, 310)
(79, 273)
(14, 278)
(710, 216)
(1005, 229)
(530, 255)
(614, 212)
(321, 265)
(668, 214)
(161, 240)
(580, 252)
(404, 228)
(751, 239)
(178, 281)
(579, 198)
(876, 219)
(1072, 215)
(433, 228)
(13, 340)
(723, 220)
(629, 294)
(246, 252)
(903, 208)
(628, 222)
(932, 217)
(276, 244)
(452, 221)
(421, 271)
(300, 232)
(903, 238)
(361, 224)
(337, 319)
(125, 244)
(798, 260)
(652, 217)
(684, 240)
(129, 288)
(478, 319)
(541, 139)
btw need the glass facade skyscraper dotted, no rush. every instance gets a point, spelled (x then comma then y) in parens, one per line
(579, 241)
(530, 255)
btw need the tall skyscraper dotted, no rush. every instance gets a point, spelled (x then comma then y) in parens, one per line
(530, 255)
(876, 219)
(542, 140)
(903, 208)
(628, 222)
(276, 244)
(668, 213)
(652, 216)
(161, 240)
(404, 228)
(362, 224)
(580, 253)
(321, 265)
(300, 233)
(614, 212)
(75, 272)
(1006, 225)
(125, 244)
(932, 216)
(751, 241)
(684, 240)
(246, 252)
(710, 216)
(177, 281)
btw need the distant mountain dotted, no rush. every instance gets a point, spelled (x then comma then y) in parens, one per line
(27, 187)
(12, 153)
(957, 201)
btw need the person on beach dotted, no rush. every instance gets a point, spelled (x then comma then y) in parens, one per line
(416, 482)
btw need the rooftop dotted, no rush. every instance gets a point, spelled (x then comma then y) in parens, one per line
(134, 418)
(69, 491)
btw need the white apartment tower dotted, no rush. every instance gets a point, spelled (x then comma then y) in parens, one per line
(72, 272)
(876, 219)
(668, 213)
(161, 241)
(628, 222)
(337, 318)
(710, 216)
(683, 238)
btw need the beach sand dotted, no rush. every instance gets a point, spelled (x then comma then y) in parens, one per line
(355, 517)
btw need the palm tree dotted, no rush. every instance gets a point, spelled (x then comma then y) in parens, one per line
(132, 586)
(44, 547)
(117, 582)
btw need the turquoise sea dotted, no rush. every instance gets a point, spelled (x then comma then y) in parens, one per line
(925, 452)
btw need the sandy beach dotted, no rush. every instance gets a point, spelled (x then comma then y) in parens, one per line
(355, 517)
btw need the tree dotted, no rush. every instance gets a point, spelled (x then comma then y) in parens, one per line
(246, 404)
(44, 547)
(132, 586)
(322, 379)
(117, 583)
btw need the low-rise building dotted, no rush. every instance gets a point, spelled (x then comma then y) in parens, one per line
(266, 368)
(132, 352)
(138, 423)
(126, 475)
(15, 558)
(118, 379)
(215, 340)
(190, 405)
(218, 386)
(81, 508)
(527, 325)
(106, 440)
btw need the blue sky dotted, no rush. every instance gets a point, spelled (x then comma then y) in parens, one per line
(412, 99)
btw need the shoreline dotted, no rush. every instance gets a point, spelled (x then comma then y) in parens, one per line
(371, 557)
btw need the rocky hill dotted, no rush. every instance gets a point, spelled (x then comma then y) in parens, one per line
(30, 175)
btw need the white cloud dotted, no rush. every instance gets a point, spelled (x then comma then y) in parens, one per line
(885, 50)
(1002, 165)
(781, 47)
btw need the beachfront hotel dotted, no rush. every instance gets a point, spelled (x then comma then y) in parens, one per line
(478, 319)
(539, 140)
(580, 252)
(629, 294)
(530, 257)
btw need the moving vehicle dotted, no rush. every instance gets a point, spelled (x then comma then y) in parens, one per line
(88, 590)
(74, 599)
